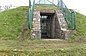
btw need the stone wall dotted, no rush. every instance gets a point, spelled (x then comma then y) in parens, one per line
(36, 29)
(59, 28)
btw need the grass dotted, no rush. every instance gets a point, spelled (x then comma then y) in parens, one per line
(11, 22)
(42, 48)
(10, 28)
(46, 7)
(80, 27)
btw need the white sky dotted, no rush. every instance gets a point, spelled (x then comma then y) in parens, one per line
(78, 5)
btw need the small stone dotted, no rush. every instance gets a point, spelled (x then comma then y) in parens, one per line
(33, 34)
(62, 49)
(34, 18)
(15, 49)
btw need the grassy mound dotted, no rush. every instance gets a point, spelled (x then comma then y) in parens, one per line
(11, 22)
(80, 27)
(10, 27)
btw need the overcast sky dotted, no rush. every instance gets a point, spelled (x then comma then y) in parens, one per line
(78, 5)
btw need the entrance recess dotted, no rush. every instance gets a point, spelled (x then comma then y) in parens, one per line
(52, 23)
(46, 22)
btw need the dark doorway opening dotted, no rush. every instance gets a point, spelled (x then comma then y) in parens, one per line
(47, 22)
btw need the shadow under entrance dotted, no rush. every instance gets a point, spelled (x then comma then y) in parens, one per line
(47, 22)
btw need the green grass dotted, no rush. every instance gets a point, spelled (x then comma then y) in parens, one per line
(81, 24)
(80, 27)
(11, 22)
(10, 28)
(41, 48)
(46, 7)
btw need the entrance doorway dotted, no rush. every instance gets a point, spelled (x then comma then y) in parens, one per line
(47, 23)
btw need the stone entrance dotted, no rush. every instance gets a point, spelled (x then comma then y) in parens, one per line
(49, 24)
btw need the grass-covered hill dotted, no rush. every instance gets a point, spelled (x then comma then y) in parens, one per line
(80, 27)
(11, 22)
